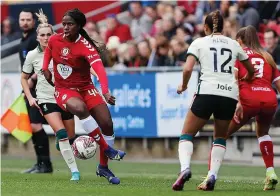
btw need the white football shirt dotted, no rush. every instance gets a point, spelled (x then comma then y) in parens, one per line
(34, 60)
(216, 55)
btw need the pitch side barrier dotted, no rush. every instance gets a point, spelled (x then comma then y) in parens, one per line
(147, 103)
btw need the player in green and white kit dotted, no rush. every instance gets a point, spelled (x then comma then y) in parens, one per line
(59, 120)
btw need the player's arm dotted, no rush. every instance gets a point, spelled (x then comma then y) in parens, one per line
(46, 62)
(94, 73)
(97, 66)
(187, 72)
(192, 57)
(276, 79)
(25, 75)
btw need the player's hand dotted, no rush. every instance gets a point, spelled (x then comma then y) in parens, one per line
(238, 115)
(247, 78)
(181, 88)
(110, 99)
(33, 103)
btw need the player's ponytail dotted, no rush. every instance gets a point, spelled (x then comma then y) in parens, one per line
(215, 22)
(249, 37)
(43, 21)
(81, 20)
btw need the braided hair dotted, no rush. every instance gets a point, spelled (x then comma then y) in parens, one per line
(81, 20)
(43, 21)
(215, 22)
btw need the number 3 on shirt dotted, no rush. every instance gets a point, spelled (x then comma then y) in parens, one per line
(258, 64)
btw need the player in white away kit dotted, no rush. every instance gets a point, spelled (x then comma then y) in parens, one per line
(59, 120)
(217, 94)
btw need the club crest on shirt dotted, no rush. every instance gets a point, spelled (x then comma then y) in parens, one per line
(64, 70)
(65, 51)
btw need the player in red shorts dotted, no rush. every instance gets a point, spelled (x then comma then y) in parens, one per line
(74, 53)
(257, 98)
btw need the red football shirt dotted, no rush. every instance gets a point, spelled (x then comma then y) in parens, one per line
(72, 62)
(261, 87)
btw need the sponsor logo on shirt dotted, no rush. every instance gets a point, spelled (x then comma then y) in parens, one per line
(64, 70)
(261, 89)
(224, 87)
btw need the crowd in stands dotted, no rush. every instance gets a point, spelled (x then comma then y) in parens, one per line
(159, 33)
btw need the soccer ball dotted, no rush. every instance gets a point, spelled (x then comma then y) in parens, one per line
(84, 147)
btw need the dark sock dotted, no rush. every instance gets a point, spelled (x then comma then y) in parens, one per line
(41, 145)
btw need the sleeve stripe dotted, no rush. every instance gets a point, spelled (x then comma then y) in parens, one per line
(95, 61)
(26, 72)
(278, 78)
(193, 55)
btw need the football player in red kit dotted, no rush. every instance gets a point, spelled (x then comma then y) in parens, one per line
(257, 98)
(74, 53)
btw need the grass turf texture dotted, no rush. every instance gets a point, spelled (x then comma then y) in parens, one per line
(136, 179)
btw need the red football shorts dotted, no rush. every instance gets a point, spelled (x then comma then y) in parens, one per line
(90, 96)
(263, 111)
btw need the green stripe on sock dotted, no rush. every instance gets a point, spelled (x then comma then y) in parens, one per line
(220, 141)
(186, 137)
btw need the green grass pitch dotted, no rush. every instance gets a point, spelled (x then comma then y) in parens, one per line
(145, 179)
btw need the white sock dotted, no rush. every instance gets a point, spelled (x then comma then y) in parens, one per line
(185, 153)
(217, 156)
(110, 140)
(89, 124)
(68, 155)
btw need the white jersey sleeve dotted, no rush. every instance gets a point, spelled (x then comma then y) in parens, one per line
(194, 49)
(28, 63)
(242, 56)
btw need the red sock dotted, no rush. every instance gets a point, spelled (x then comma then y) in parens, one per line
(103, 159)
(98, 138)
(266, 148)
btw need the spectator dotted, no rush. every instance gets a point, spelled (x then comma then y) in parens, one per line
(144, 52)
(141, 24)
(179, 15)
(179, 50)
(185, 33)
(224, 7)
(134, 57)
(123, 57)
(151, 12)
(247, 15)
(115, 28)
(205, 7)
(8, 31)
(161, 57)
(93, 31)
(160, 9)
(272, 44)
(157, 28)
(112, 46)
(230, 28)
(169, 26)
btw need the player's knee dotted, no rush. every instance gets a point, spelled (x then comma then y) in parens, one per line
(79, 110)
(36, 127)
(60, 135)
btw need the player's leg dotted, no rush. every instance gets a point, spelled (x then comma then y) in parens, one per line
(196, 118)
(55, 121)
(223, 114)
(264, 120)
(248, 113)
(40, 142)
(102, 116)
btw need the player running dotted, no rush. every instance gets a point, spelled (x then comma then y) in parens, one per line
(74, 53)
(216, 94)
(257, 98)
(59, 120)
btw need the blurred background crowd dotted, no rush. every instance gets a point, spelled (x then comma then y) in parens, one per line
(158, 33)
